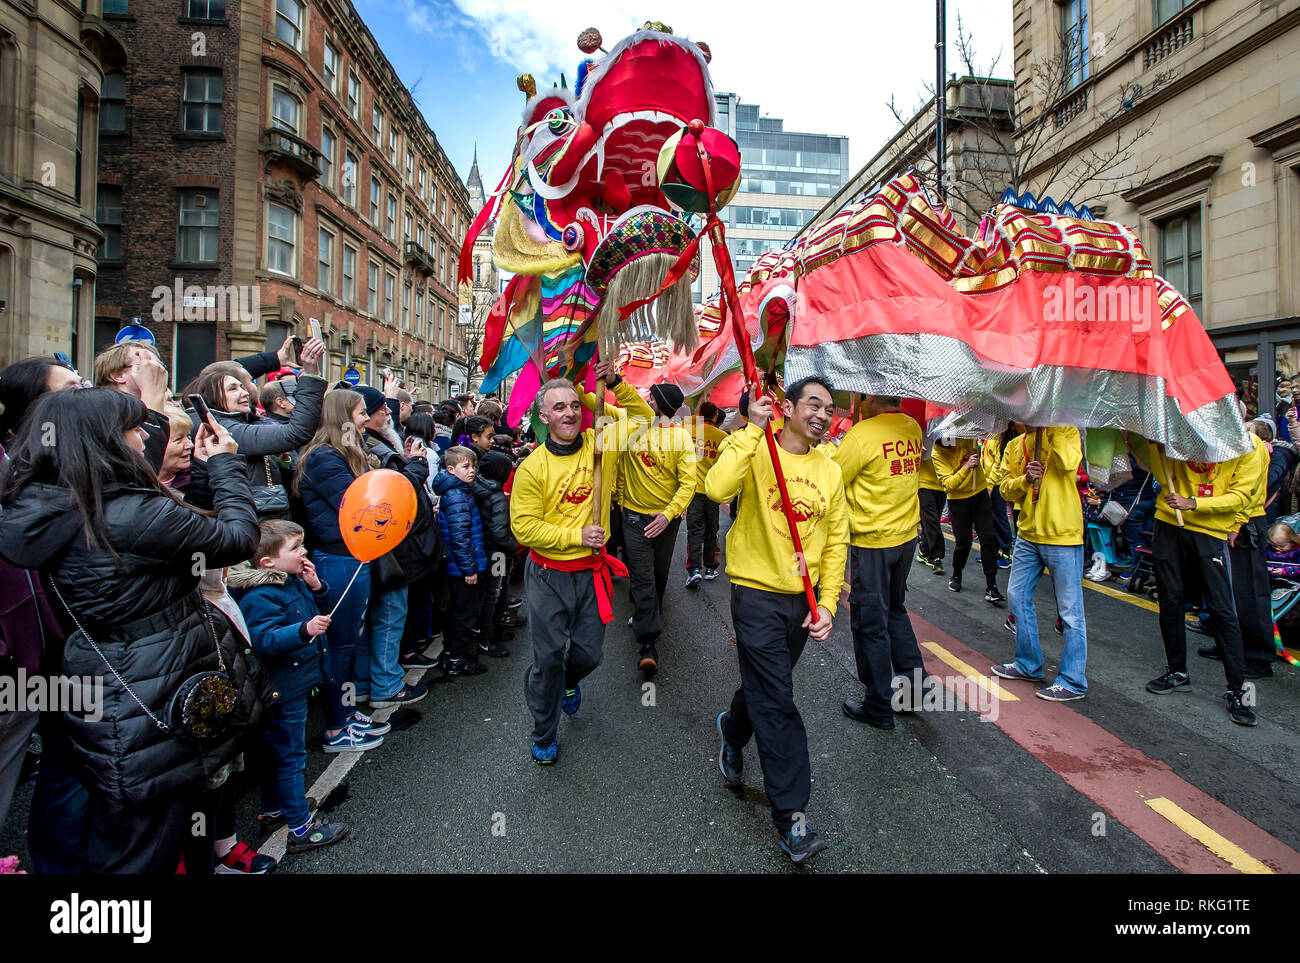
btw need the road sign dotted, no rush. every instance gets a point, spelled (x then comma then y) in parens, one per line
(134, 332)
(352, 376)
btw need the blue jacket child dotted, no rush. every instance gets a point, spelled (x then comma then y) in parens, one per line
(276, 607)
(460, 524)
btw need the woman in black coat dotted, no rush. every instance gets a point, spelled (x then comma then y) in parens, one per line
(121, 556)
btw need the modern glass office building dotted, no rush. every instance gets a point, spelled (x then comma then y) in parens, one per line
(785, 179)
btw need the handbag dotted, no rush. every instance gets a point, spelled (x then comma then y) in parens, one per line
(202, 709)
(1115, 513)
(271, 501)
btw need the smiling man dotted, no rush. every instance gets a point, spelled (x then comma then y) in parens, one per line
(769, 612)
(567, 581)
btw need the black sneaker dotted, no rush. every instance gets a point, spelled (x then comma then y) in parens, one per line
(857, 711)
(457, 667)
(513, 619)
(649, 660)
(954, 583)
(730, 759)
(1059, 626)
(404, 696)
(993, 596)
(319, 832)
(1210, 652)
(1238, 711)
(694, 577)
(1010, 624)
(802, 846)
(415, 660)
(1169, 682)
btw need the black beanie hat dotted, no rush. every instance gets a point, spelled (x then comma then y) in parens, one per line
(668, 397)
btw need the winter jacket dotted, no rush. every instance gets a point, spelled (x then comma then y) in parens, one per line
(494, 510)
(418, 553)
(260, 440)
(30, 634)
(461, 525)
(276, 608)
(325, 477)
(144, 612)
(1282, 461)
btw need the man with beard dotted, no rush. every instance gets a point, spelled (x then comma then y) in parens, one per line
(567, 581)
(769, 611)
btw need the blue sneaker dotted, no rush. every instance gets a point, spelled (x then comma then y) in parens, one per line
(1009, 670)
(546, 757)
(730, 759)
(1004, 560)
(802, 846)
(572, 700)
(352, 740)
(366, 725)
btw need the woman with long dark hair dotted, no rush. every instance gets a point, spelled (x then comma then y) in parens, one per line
(120, 555)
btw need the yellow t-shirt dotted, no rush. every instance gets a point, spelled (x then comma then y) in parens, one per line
(926, 478)
(1057, 517)
(1222, 489)
(708, 437)
(950, 468)
(760, 550)
(880, 459)
(1254, 469)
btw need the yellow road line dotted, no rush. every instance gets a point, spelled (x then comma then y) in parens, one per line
(983, 681)
(1129, 597)
(1225, 849)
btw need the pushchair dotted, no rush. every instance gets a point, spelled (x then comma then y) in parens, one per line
(1284, 596)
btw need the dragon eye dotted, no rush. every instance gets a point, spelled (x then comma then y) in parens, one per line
(557, 119)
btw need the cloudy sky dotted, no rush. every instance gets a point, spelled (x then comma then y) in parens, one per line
(825, 67)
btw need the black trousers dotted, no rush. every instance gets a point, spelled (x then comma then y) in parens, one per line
(1251, 592)
(883, 641)
(769, 641)
(649, 561)
(702, 532)
(462, 616)
(1185, 562)
(977, 511)
(614, 544)
(1001, 523)
(931, 531)
(419, 614)
(491, 588)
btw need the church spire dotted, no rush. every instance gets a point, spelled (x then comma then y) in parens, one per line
(477, 198)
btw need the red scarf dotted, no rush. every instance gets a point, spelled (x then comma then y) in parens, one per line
(600, 566)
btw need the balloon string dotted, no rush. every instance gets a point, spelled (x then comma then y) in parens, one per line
(360, 566)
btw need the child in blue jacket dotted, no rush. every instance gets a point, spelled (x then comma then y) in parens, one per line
(283, 602)
(462, 532)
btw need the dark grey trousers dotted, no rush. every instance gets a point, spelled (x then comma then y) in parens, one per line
(649, 562)
(883, 640)
(568, 639)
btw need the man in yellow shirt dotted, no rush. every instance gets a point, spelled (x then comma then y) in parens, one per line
(960, 469)
(769, 611)
(658, 471)
(880, 459)
(1039, 478)
(1213, 497)
(567, 580)
(702, 515)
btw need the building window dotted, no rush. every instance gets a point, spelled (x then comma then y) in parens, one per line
(116, 8)
(419, 234)
(375, 213)
(442, 260)
(112, 101)
(392, 217)
(389, 283)
(1180, 255)
(284, 110)
(108, 215)
(327, 148)
(421, 183)
(195, 346)
(202, 106)
(410, 167)
(354, 96)
(1074, 42)
(1165, 9)
(442, 319)
(407, 221)
(442, 207)
(372, 289)
(197, 243)
(377, 126)
(280, 239)
(392, 145)
(419, 317)
(406, 306)
(350, 173)
(349, 274)
(207, 9)
(288, 22)
(325, 262)
(330, 67)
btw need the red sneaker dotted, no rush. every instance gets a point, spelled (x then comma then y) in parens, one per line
(244, 860)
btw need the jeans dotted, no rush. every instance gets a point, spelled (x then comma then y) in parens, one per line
(1065, 563)
(60, 816)
(383, 641)
(345, 634)
(283, 787)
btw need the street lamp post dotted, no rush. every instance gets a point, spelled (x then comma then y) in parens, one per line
(940, 94)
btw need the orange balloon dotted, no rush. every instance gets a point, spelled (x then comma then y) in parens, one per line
(377, 511)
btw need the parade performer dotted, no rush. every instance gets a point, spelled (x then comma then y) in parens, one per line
(702, 515)
(958, 468)
(1038, 471)
(567, 581)
(1188, 544)
(768, 610)
(880, 460)
(931, 496)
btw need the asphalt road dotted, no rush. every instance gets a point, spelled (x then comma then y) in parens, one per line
(637, 789)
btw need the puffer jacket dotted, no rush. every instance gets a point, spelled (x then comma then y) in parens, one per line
(144, 612)
(324, 477)
(276, 608)
(262, 439)
(461, 525)
(494, 509)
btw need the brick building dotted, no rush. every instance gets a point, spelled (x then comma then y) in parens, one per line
(263, 165)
